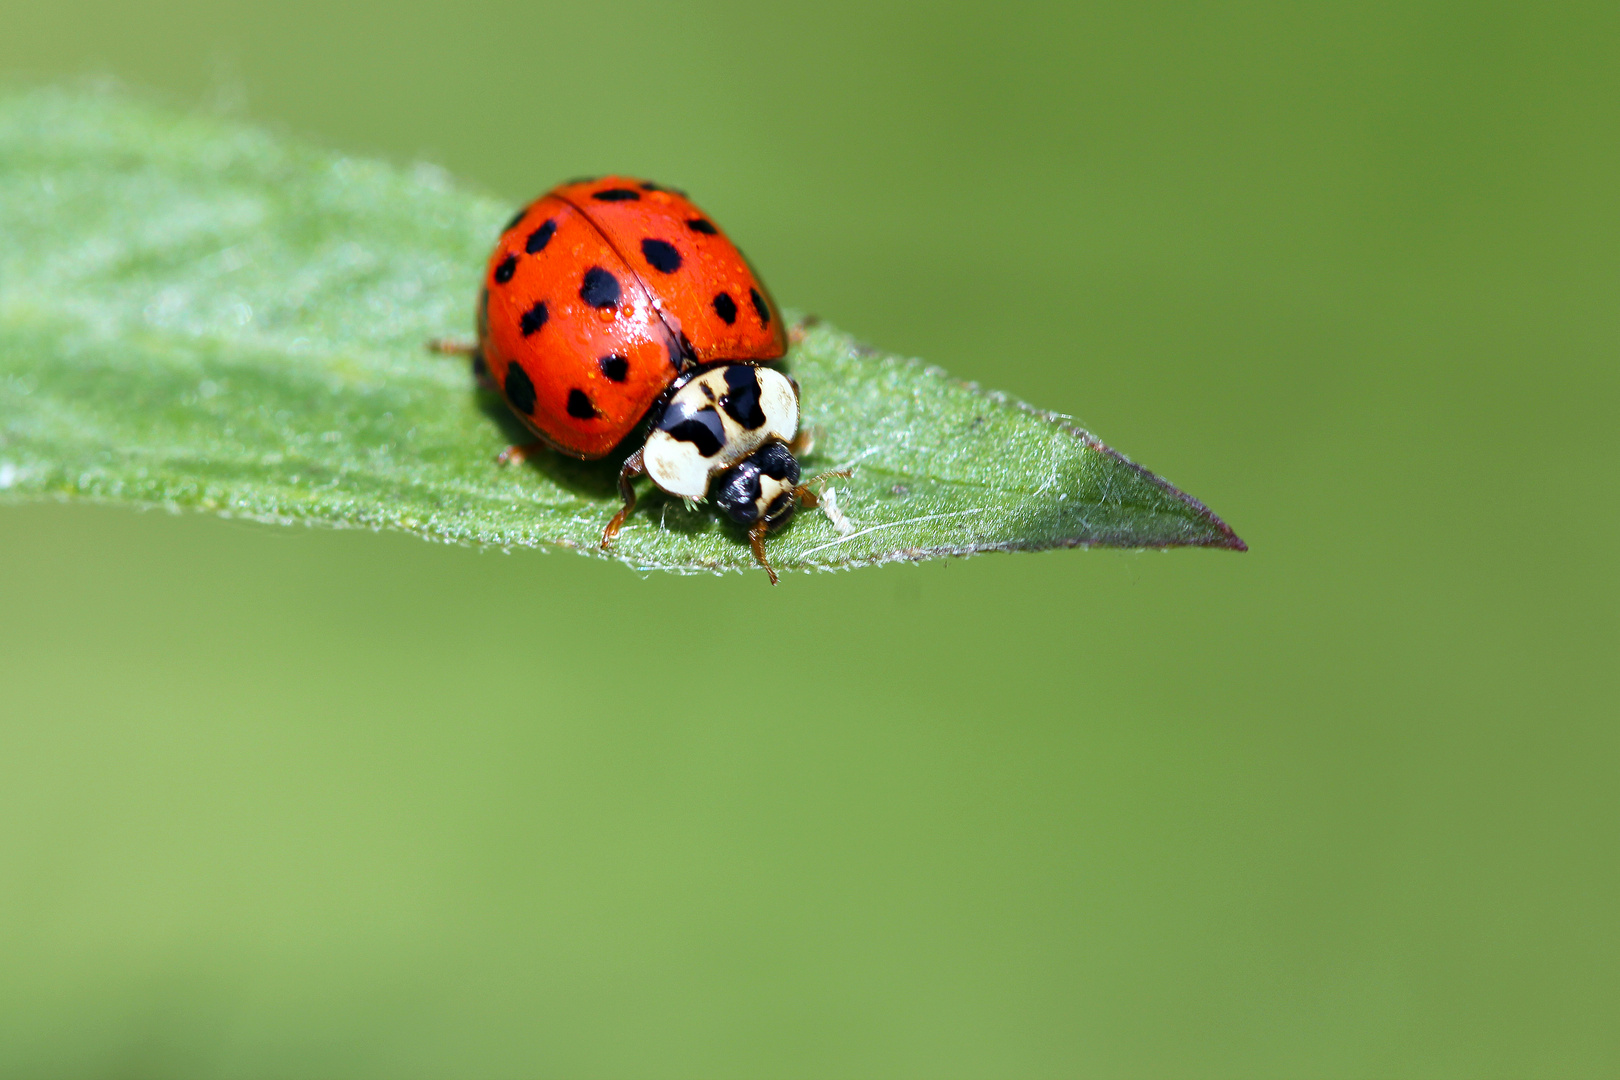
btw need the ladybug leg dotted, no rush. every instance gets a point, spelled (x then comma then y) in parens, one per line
(803, 443)
(796, 331)
(808, 497)
(756, 540)
(517, 455)
(451, 347)
(633, 468)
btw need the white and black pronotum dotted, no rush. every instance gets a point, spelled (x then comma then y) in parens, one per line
(737, 419)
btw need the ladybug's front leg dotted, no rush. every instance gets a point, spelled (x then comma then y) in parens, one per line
(808, 498)
(756, 540)
(633, 467)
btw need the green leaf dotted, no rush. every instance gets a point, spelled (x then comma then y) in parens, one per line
(198, 314)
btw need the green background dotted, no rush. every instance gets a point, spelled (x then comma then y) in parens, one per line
(292, 802)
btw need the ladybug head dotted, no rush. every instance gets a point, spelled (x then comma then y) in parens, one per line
(763, 487)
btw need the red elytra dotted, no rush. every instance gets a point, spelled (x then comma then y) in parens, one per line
(599, 294)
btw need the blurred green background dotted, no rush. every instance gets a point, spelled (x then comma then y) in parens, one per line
(286, 802)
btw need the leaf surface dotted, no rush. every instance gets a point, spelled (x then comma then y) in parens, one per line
(195, 313)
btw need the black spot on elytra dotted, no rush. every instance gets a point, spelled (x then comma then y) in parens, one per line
(760, 307)
(742, 397)
(505, 269)
(600, 288)
(517, 217)
(725, 307)
(702, 427)
(702, 225)
(541, 237)
(580, 407)
(615, 194)
(533, 319)
(616, 368)
(661, 255)
(648, 185)
(519, 390)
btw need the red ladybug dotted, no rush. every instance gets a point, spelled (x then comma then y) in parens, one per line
(607, 298)
(600, 294)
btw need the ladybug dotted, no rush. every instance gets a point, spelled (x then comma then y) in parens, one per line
(609, 302)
